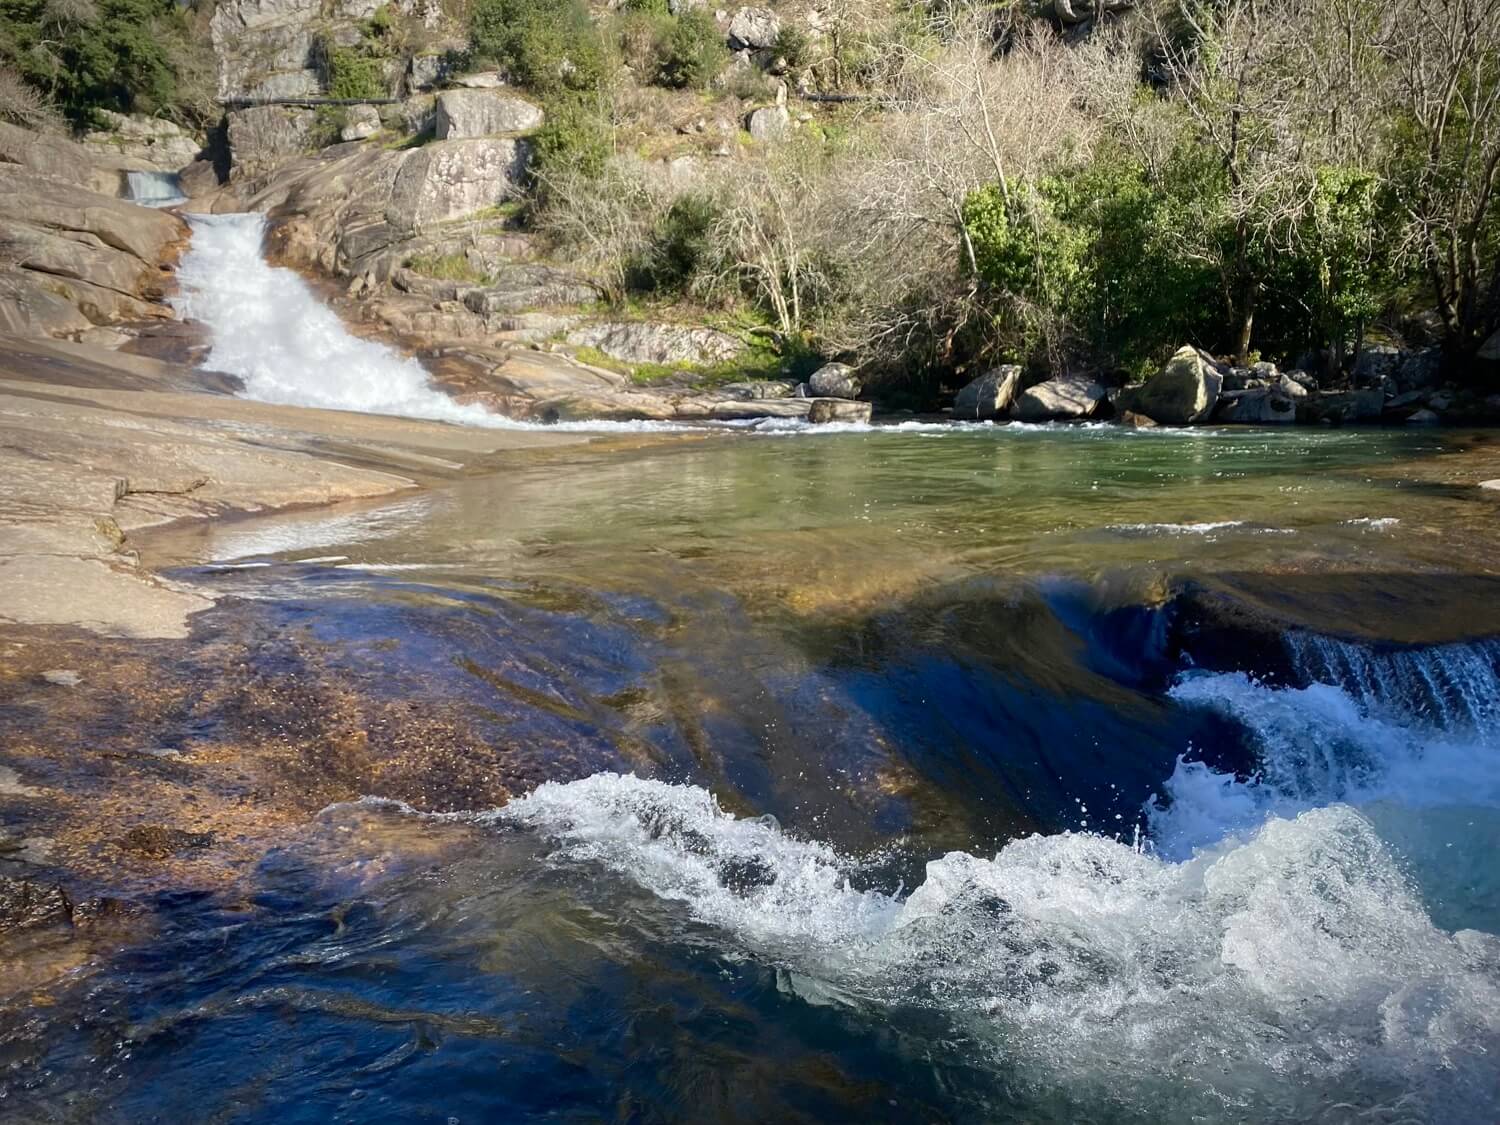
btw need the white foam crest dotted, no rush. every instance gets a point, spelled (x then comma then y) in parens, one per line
(1316, 745)
(675, 840)
(1299, 952)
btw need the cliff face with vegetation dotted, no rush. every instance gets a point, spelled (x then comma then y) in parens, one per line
(925, 191)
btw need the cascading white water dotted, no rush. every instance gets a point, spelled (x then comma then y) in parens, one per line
(154, 189)
(1273, 944)
(270, 329)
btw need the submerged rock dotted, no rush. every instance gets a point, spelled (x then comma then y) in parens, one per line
(988, 396)
(26, 904)
(1182, 393)
(1068, 397)
(158, 842)
(833, 380)
(838, 410)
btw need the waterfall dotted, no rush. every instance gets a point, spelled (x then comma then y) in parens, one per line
(1449, 686)
(154, 189)
(269, 328)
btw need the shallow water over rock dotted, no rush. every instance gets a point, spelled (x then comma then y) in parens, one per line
(997, 774)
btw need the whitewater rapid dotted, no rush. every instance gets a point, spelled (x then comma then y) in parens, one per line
(1275, 938)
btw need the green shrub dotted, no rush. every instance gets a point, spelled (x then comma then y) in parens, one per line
(794, 47)
(640, 36)
(112, 54)
(547, 45)
(693, 53)
(354, 75)
(576, 136)
(678, 249)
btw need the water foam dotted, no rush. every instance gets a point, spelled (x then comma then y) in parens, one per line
(1268, 951)
(270, 329)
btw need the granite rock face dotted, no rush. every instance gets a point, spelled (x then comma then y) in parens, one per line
(483, 113)
(71, 258)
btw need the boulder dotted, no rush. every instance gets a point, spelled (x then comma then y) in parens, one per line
(1419, 370)
(1070, 396)
(1291, 388)
(1134, 421)
(1422, 418)
(1182, 393)
(988, 396)
(483, 113)
(735, 410)
(428, 71)
(360, 123)
(55, 158)
(262, 138)
(75, 258)
(755, 29)
(27, 903)
(1490, 349)
(141, 143)
(770, 124)
(1369, 403)
(833, 380)
(416, 115)
(838, 410)
(757, 390)
(651, 342)
(450, 179)
(482, 80)
(1257, 406)
(198, 179)
(1375, 364)
(523, 287)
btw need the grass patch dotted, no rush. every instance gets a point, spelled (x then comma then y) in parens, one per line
(759, 361)
(445, 267)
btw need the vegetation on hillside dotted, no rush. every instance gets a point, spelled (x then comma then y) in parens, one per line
(1254, 176)
(132, 56)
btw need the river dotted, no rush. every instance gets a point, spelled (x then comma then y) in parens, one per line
(926, 773)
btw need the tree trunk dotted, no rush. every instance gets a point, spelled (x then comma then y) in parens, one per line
(1247, 323)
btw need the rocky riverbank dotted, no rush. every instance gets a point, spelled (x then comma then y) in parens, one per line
(97, 445)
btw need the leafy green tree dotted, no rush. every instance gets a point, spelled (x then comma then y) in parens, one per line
(1030, 257)
(693, 52)
(85, 55)
(547, 45)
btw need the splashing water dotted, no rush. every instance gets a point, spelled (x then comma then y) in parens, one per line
(1268, 951)
(270, 329)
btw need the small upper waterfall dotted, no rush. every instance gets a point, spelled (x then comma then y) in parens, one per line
(154, 189)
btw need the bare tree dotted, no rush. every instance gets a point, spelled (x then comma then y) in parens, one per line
(1230, 67)
(1446, 56)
